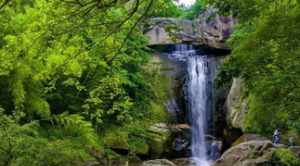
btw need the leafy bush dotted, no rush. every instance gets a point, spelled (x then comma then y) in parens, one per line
(267, 59)
(194, 10)
(71, 71)
(23, 145)
(285, 157)
(167, 8)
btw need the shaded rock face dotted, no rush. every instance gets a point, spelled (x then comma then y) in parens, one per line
(251, 153)
(235, 105)
(209, 29)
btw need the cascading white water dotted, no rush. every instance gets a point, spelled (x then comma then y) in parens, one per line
(197, 91)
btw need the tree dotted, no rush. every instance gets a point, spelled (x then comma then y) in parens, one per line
(265, 53)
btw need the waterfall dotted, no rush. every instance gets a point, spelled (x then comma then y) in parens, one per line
(200, 69)
(198, 106)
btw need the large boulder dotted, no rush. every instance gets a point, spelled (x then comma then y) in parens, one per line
(209, 29)
(251, 153)
(235, 105)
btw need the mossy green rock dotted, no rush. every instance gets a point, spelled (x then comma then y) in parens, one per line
(120, 140)
(139, 146)
(117, 140)
(158, 137)
(236, 106)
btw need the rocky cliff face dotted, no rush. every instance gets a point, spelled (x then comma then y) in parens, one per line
(209, 29)
(213, 29)
(170, 31)
(236, 105)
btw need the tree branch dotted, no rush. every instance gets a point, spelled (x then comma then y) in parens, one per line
(4, 4)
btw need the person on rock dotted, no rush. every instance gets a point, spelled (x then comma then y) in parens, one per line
(276, 137)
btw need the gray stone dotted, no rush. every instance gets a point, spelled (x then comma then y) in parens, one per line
(249, 137)
(208, 29)
(251, 153)
(185, 162)
(235, 105)
(158, 162)
(214, 29)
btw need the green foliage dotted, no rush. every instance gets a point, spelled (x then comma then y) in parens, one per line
(133, 135)
(64, 127)
(71, 71)
(266, 55)
(88, 70)
(25, 145)
(194, 10)
(243, 9)
(167, 8)
(285, 157)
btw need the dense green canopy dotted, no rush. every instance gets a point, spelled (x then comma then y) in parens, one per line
(266, 54)
(69, 70)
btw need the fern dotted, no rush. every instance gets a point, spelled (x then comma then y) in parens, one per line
(74, 125)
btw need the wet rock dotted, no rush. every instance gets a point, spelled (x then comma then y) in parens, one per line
(158, 162)
(235, 105)
(251, 153)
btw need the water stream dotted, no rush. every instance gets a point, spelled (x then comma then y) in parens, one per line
(198, 106)
(200, 69)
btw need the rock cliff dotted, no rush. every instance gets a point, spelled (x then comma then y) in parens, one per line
(208, 29)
